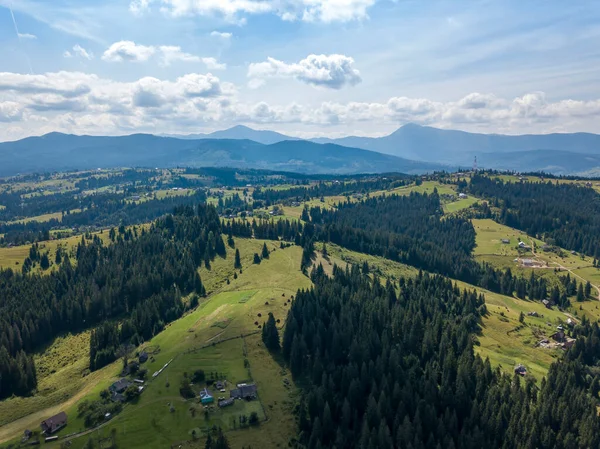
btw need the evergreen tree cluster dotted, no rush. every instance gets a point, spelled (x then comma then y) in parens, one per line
(393, 367)
(328, 188)
(141, 279)
(567, 213)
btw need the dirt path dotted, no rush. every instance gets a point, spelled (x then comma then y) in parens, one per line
(563, 268)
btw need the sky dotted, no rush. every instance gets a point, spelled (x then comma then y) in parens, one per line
(302, 67)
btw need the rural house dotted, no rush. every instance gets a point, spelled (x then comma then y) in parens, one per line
(54, 424)
(143, 357)
(119, 386)
(506, 241)
(206, 397)
(244, 391)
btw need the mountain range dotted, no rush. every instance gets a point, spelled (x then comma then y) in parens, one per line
(56, 151)
(410, 149)
(559, 153)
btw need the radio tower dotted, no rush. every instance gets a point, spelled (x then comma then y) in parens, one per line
(475, 165)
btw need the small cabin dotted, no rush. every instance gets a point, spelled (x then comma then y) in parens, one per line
(54, 424)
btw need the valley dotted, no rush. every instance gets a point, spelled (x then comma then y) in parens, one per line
(219, 331)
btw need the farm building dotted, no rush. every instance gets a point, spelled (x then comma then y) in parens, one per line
(206, 397)
(226, 402)
(520, 370)
(244, 391)
(119, 386)
(143, 357)
(524, 245)
(506, 241)
(558, 336)
(54, 424)
(462, 196)
(528, 262)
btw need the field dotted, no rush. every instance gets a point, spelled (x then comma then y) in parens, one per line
(503, 339)
(14, 256)
(207, 338)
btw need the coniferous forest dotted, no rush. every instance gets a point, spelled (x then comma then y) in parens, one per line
(397, 370)
(566, 213)
(140, 280)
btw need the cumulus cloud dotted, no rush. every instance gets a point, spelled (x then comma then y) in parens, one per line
(330, 71)
(171, 53)
(213, 64)
(289, 10)
(128, 51)
(83, 103)
(10, 111)
(78, 51)
(167, 54)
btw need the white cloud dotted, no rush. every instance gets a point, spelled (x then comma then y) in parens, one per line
(213, 64)
(331, 71)
(128, 51)
(167, 54)
(10, 111)
(82, 52)
(171, 53)
(27, 36)
(84, 103)
(138, 7)
(221, 35)
(78, 51)
(288, 10)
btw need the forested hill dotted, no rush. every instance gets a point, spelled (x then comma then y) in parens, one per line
(565, 214)
(386, 370)
(59, 152)
(140, 278)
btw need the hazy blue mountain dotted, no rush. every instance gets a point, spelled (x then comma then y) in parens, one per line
(459, 147)
(549, 161)
(239, 132)
(57, 151)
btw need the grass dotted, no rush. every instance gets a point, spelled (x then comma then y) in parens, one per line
(206, 338)
(503, 339)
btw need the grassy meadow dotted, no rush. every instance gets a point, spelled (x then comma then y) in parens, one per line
(209, 338)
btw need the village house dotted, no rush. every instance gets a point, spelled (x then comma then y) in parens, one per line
(558, 336)
(226, 402)
(54, 424)
(462, 196)
(118, 388)
(523, 245)
(244, 391)
(143, 358)
(506, 241)
(206, 397)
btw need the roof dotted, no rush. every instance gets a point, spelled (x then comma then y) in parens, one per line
(54, 423)
(120, 385)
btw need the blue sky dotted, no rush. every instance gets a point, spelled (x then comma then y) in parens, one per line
(304, 67)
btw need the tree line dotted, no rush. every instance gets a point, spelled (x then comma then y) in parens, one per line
(564, 214)
(140, 279)
(392, 366)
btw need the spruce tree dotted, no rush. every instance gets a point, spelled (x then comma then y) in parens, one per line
(238, 262)
(256, 258)
(265, 251)
(270, 334)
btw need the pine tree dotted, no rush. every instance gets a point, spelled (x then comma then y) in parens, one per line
(238, 262)
(265, 251)
(270, 334)
(580, 295)
(588, 289)
(256, 258)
